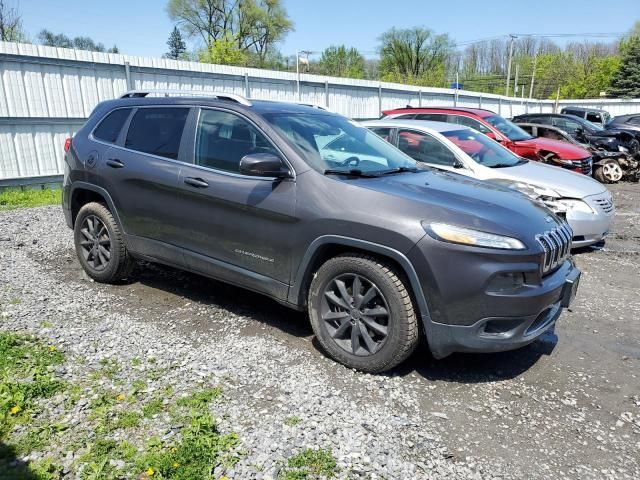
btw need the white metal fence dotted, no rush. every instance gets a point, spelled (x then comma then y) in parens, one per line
(46, 94)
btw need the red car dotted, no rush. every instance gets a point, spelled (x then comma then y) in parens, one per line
(546, 150)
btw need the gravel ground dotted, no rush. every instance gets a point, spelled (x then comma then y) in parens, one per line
(567, 406)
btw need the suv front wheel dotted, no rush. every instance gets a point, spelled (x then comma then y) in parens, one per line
(99, 244)
(362, 313)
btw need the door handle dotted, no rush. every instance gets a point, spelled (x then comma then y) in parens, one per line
(196, 182)
(114, 163)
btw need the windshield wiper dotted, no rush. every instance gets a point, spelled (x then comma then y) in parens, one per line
(398, 170)
(503, 165)
(354, 172)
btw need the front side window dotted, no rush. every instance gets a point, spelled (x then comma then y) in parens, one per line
(507, 128)
(567, 125)
(157, 131)
(222, 139)
(332, 142)
(482, 149)
(109, 129)
(424, 148)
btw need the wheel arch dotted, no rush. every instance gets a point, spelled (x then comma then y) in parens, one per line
(83, 193)
(329, 246)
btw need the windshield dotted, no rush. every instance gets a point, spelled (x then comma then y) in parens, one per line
(482, 149)
(508, 129)
(331, 142)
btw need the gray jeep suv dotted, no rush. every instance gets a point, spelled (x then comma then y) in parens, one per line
(317, 212)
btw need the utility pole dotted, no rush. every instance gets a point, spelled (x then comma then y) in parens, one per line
(533, 76)
(513, 37)
(298, 74)
(455, 98)
(515, 81)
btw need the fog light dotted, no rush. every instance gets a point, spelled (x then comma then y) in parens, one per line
(506, 282)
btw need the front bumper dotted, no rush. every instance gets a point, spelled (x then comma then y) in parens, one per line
(466, 315)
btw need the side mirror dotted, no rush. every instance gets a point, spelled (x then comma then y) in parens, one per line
(264, 165)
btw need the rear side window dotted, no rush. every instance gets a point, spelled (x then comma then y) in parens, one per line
(471, 123)
(434, 117)
(109, 128)
(157, 131)
(594, 117)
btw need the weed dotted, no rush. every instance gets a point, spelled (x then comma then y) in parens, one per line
(310, 463)
(292, 421)
(152, 408)
(200, 398)
(127, 420)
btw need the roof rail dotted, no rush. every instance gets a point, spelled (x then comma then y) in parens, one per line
(317, 106)
(181, 93)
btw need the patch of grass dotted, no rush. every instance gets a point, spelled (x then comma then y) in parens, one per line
(152, 408)
(24, 377)
(292, 420)
(127, 420)
(200, 398)
(136, 362)
(15, 301)
(46, 324)
(200, 449)
(308, 464)
(13, 198)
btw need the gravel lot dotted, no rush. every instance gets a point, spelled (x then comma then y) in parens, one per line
(567, 406)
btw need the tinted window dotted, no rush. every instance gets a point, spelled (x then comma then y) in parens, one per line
(471, 123)
(594, 117)
(434, 117)
(406, 116)
(157, 131)
(382, 132)
(634, 120)
(109, 128)
(223, 139)
(424, 148)
(567, 125)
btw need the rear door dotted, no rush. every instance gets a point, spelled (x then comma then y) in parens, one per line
(141, 173)
(237, 227)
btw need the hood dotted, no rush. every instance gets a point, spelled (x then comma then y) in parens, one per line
(565, 182)
(460, 200)
(565, 150)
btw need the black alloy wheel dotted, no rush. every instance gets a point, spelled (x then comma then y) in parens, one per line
(95, 244)
(356, 314)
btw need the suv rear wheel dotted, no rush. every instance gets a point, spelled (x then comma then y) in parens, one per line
(99, 245)
(609, 172)
(362, 313)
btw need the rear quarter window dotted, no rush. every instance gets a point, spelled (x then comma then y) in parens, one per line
(109, 128)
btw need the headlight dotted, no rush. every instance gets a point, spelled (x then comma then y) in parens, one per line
(467, 236)
(535, 192)
(575, 205)
(623, 149)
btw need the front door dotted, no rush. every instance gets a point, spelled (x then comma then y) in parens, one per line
(237, 227)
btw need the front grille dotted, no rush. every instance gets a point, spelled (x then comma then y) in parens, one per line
(586, 165)
(556, 245)
(605, 204)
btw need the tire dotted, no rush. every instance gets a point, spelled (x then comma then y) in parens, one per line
(336, 320)
(609, 172)
(99, 244)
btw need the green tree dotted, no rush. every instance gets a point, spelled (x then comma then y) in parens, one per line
(340, 61)
(626, 81)
(10, 24)
(176, 45)
(415, 55)
(223, 52)
(255, 26)
(60, 40)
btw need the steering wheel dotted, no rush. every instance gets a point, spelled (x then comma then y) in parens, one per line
(350, 162)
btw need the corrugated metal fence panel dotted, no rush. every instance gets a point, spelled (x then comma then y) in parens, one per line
(47, 91)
